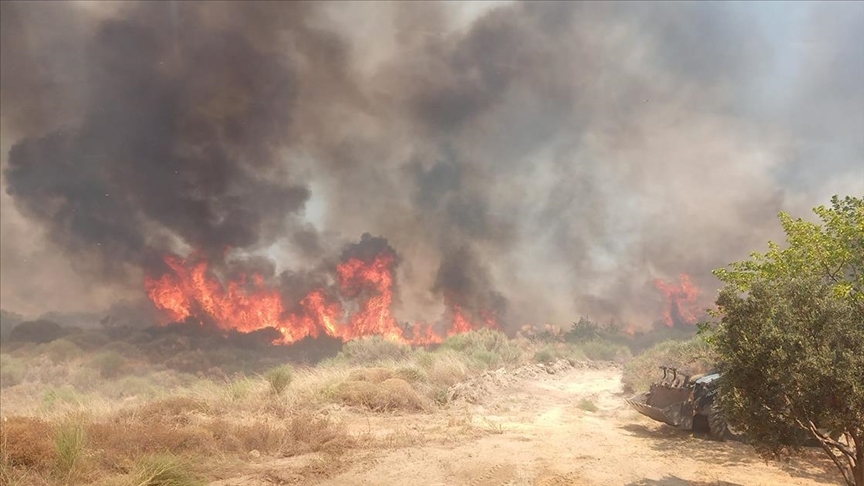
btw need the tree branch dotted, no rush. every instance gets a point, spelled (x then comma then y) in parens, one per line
(845, 471)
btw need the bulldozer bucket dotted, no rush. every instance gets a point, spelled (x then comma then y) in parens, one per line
(675, 413)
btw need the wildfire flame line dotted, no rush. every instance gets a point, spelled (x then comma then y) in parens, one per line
(189, 289)
(681, 300)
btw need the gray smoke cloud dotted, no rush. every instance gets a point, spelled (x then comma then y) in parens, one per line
(536, 160)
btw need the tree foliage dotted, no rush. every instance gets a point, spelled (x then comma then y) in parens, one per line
(791, 338)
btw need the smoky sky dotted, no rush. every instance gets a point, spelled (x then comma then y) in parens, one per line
(539, 160)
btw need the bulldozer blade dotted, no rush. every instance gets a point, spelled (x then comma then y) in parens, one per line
(671, 415)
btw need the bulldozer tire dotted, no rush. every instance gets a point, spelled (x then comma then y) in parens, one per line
(718, 427)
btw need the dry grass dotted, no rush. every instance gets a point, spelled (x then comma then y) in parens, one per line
(145, 426)
(27, 443)
(173, 410)
(447, 369)
(163, 470)
(377, 390)
(371, 375)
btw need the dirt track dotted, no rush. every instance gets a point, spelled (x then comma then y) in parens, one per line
(535, 433)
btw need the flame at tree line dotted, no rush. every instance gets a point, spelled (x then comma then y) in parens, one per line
(190, 290)
(681, 300)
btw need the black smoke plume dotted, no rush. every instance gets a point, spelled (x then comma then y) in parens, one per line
(538, 161)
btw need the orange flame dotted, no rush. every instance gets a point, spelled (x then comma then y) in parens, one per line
(681, 300)
(190, 289)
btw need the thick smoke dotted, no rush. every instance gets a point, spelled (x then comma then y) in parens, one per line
(535, 161)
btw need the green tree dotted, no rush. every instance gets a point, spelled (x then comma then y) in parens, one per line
(791, 339)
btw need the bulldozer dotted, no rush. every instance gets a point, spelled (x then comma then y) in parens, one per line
(685, 402)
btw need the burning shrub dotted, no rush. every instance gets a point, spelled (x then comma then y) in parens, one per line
(39, 331)
(26, 442)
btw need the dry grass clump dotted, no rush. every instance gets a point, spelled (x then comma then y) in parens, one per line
(373, 349)
(311, 433)
(398, 394)
(447, 369)
(363, 389)
(172, 410)
(123, 440)
(372, 375)
(27, 442)
(411, 374)
(163, 470)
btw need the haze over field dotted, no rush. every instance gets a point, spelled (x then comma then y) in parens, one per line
(516, 163)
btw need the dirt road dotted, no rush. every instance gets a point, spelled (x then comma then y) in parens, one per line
(544, 432)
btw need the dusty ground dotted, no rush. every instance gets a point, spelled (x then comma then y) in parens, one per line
(534, 432)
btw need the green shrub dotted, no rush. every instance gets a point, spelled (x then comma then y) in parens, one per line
(484, 359)
(11, 371)
(134, 386)
(164, 470)
(63, 394)
(598, 350)
(69, 441)
(544, 355)
(587, 405)
(109, 363)
(554, 351)
(691, 357)
(373, 349)
(61, 351)
(38, 331)
(583, 330)
(239, 388)
(485, 348)
(279, 378)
